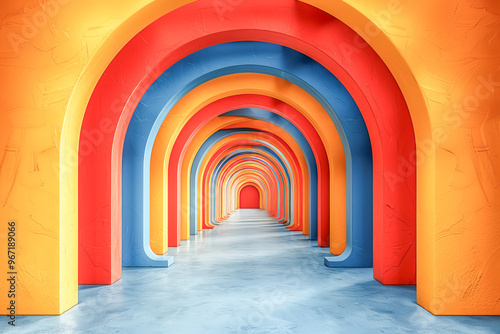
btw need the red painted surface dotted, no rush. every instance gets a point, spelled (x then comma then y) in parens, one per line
(240, 184)
(178, 34)
(249, 198)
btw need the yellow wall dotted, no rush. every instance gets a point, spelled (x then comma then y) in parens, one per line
(50, 55)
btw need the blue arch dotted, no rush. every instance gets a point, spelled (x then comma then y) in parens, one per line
(250, 57)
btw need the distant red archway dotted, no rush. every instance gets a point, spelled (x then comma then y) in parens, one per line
(249, 197)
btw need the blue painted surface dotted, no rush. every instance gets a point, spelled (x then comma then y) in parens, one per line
(250, 275)
(249, 57)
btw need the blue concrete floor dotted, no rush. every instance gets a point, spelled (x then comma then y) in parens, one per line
(249, 275)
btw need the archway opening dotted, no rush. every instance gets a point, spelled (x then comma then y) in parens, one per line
(249, 197)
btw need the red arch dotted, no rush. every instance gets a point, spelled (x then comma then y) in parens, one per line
(326, 40)
(249, 197)
(218, 107)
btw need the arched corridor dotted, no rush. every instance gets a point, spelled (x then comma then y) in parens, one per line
(343, 154)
